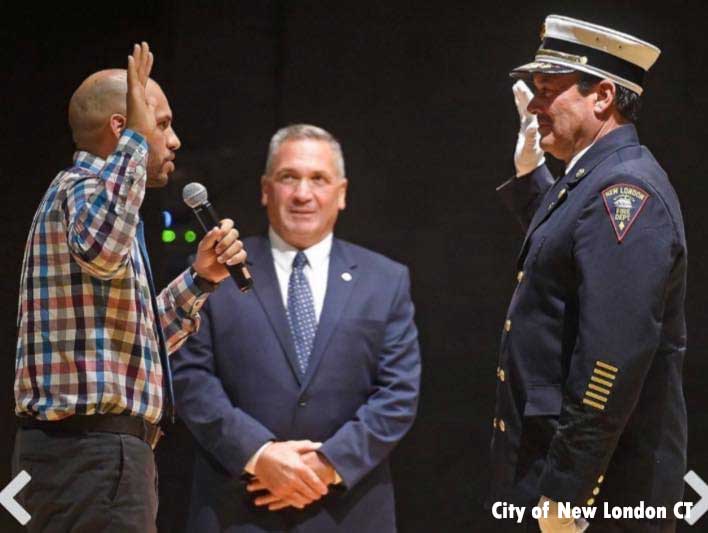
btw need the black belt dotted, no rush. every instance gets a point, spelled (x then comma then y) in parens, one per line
(125, 424)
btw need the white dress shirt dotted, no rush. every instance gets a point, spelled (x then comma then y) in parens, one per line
(316, 270)
(577, 156)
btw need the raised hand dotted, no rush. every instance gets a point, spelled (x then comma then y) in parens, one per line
(528, 154)
(139, 110)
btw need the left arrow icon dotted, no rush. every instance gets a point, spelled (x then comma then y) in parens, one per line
(7, 497)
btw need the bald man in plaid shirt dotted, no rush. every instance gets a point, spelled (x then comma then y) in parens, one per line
(91, 361)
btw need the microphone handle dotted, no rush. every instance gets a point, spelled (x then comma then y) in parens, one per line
(208, 218)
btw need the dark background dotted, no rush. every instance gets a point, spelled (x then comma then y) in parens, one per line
(419, 96)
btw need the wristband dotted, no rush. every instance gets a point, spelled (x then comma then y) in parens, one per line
(203, 284)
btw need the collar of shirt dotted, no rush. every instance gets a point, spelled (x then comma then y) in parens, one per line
(88, 161)
(316, 270)
(577, 157)
(284, 253)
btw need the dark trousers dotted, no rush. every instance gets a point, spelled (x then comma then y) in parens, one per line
(86, 482)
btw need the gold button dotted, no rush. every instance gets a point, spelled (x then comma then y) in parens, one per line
(494, 423)
(507, 326)
(561, 194)
(501, 375)
(580, 173)
(591, 501)
(601, 479)
(502, 426)
(550, 206)
(596, 491)
(520, 276)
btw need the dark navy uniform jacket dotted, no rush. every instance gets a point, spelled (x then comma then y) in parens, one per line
(590, 404)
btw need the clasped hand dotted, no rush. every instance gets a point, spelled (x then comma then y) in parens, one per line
(556, 522)
(292, 473)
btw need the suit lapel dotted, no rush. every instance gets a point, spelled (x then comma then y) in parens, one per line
(555, 196)
(267, 290)
(341, 279)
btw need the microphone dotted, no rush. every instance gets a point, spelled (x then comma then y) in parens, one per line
(195, 196)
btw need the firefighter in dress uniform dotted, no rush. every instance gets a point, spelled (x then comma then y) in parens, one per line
(590, 406)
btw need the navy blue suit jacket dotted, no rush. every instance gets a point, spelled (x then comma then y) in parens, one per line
(590, 405)
(238, 386)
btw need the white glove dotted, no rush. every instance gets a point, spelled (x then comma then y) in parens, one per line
(528, 155)
(554, 524)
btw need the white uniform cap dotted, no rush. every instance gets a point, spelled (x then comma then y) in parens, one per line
(570, 45)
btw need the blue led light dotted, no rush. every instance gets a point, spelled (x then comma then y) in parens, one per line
(167, 219)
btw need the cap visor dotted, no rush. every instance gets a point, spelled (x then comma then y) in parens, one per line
(526, 71)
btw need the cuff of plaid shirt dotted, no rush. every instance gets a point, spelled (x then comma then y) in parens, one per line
(194, 290)
(132, 143)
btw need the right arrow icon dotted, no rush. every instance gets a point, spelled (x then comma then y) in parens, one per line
(700, 486)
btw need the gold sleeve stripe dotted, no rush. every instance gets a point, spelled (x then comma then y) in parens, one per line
(607, 367)
(604, 374)
(598, 389)
(596, 396)
(594, 404)
(601, 381)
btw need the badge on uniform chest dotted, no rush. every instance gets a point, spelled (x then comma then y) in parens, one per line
(623, 203)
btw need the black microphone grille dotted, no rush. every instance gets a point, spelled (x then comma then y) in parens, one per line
(194, 194)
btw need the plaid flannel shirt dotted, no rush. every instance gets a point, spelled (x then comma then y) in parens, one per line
(87, 341)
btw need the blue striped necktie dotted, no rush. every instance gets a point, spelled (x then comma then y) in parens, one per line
(162, 345)
(301, 312)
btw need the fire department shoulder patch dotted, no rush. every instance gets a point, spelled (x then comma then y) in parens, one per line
(623, 203)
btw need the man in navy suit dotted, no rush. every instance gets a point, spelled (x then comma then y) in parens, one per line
(298, 391)
(590, 408)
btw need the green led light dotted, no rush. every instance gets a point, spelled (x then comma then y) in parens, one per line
(190, 236)
(168, 235)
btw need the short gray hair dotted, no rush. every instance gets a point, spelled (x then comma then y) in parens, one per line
(296, 132)
(627, 102)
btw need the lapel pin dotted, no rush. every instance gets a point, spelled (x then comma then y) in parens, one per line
(346, 276)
